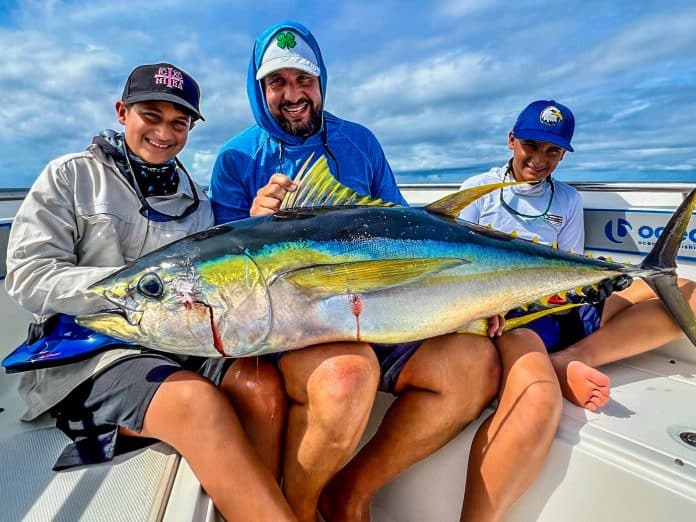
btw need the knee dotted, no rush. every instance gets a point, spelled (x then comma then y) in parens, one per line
(197, 399)
(471, 377)
(257, 386)
(687, 288)
(545, 403)
(348, 379)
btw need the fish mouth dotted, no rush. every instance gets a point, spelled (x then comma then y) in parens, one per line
(132, 317)
(117, 322)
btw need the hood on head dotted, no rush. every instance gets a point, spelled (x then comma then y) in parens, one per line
(257, 99)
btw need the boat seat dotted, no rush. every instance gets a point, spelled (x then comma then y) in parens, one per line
(32, 491)
(626, 462)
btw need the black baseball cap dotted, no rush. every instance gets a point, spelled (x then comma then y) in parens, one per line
(163, 82)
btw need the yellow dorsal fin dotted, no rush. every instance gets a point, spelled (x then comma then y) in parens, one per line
(317, 187)
(452, 204)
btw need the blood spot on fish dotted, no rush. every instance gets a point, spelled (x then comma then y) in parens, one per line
(217, 340)
(356, 308)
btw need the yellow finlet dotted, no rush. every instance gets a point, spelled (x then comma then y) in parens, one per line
(535, 239)
(514, 233)
(554, 245)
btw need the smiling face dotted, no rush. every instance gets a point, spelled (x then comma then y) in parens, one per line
(533, 160)
(294, 100)
(155, 131)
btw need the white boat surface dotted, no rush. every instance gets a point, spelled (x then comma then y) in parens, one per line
(634, 460)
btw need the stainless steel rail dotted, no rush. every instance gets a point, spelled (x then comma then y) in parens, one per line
(597, 186)
(15, 194)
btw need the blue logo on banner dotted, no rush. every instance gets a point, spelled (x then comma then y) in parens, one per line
(622, 228)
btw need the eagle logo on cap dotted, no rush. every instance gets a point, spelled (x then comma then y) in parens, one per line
(551, 115)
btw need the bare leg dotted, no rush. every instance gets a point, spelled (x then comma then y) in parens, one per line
(332, 388)
(193, 416)
(524, 423)
(444, 386)
(618, 338)
(256, 390)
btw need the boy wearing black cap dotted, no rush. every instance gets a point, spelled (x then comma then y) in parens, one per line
(87, 215)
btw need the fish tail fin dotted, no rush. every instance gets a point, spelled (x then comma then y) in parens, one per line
(662, 260)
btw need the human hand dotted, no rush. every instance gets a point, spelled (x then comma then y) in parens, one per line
(496, 325)
(269, 197)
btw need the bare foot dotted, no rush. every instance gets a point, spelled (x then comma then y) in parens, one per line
(581, 384)
(335, 505)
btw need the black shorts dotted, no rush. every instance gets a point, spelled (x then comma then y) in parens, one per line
(119, 395)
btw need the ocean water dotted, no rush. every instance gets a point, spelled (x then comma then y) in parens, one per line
(457, 175)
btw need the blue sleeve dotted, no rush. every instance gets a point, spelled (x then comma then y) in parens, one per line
(383, 182)
(229, 196)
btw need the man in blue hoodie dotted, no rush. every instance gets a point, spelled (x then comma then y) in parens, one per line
(442, 383)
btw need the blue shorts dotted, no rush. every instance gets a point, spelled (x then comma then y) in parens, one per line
(119, 395)
(392, 359)
(559, 331)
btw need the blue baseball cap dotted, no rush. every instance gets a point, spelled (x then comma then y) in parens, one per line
(546, 120)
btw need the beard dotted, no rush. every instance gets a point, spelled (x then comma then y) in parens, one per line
(304, 128)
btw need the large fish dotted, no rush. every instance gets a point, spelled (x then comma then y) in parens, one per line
(335, 266)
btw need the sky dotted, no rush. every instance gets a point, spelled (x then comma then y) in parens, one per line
(439, 83)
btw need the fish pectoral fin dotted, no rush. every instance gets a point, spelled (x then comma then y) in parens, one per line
(480, 326)
(317, 187)
(367, 276)
(452, 204)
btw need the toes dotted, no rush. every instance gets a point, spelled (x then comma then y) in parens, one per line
(591, 406)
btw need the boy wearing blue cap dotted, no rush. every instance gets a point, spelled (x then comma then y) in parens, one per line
(530, 399)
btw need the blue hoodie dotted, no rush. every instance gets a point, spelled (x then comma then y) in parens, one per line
(247, 162)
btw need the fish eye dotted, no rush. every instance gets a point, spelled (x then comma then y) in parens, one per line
(150, 285)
